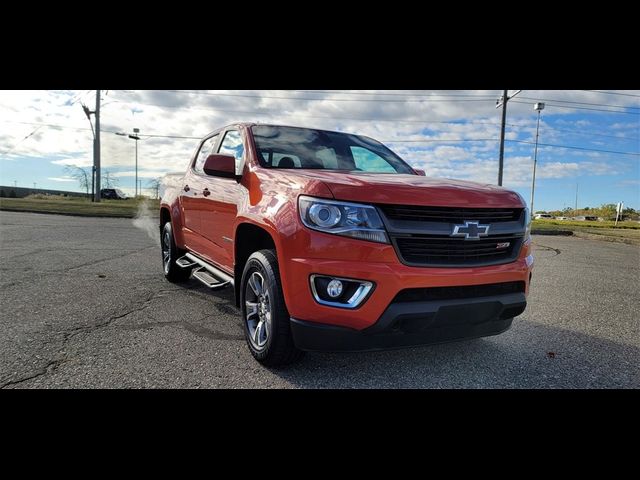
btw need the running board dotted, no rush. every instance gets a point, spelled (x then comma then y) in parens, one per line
(207, 279)
(184, 262)
(218, 275)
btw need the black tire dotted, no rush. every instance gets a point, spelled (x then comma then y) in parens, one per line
(278, 348)
(172, 272)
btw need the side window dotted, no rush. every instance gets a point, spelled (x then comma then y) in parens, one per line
(328, 158)
(205, 151)
(232, 145)
(294, 161)
(368, 161)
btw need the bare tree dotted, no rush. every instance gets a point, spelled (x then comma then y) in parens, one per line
(81, 175)
(108, 179)
(154, 184)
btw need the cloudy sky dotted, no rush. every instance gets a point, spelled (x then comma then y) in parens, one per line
(450, 134)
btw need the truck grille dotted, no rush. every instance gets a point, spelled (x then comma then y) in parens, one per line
(423, 236)
(451, 215)
(430, 250)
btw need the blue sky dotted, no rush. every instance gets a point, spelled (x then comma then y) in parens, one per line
(448, 133)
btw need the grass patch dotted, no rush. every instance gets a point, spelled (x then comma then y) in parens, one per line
(540, 224)
(627, 232)
(76, 206)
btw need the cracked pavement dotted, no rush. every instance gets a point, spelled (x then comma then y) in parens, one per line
(84, 305)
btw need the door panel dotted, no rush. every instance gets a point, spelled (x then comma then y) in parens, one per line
(188, 200)
(191, 195)
(219, 221)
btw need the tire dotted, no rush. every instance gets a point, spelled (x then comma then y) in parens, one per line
(261, 292)
(170, 253)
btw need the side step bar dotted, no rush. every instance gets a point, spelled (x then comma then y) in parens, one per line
(207, 279)
(210, 276)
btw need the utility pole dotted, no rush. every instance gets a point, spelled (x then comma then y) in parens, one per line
(576, 209)
(538, 107)
(96, 148)
(502, 102)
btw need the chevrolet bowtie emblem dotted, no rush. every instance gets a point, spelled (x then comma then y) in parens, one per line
(470, 230)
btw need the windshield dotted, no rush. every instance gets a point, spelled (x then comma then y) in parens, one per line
(303, 148)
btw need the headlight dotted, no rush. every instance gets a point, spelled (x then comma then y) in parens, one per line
(527, 222)
(342, 218)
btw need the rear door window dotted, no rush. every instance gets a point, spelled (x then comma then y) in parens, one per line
(205, 151)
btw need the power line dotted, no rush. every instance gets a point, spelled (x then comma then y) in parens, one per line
(551, 129)
(613, 93)
(272, 114)
(190, 92)
(581, 108)
(14, 147)
(576, 148)
(571, 147)
(171, 136)
(339, 92)
(443, 140)
(575, 132)
(587, 133)
(578, 103)
(65, 127)
(78, 97)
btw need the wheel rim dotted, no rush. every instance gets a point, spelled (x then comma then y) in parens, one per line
(166, 251)
(258, 312)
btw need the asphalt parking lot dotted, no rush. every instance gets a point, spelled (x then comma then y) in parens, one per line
(84, 305)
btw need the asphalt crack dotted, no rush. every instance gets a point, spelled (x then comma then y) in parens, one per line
(95, 262)
(52, 365)
(67, 335)
(550, 249)
(188, 326)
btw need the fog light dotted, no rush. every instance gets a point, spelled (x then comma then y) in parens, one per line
(334, 289)
(340, 292)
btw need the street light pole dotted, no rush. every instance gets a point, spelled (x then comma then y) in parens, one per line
(538, 107)
(135, 137)
(96, 149)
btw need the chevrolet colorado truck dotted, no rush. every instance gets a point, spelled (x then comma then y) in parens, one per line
(331, 242)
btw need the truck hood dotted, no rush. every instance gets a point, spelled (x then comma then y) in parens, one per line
(403, 189)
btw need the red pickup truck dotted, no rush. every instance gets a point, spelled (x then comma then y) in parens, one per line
(332, 242)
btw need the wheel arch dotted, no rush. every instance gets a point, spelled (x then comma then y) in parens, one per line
(249, 238)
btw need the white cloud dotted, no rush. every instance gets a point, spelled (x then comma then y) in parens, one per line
(62, 179)
(166, 113)
(75, 162)
(141, 173)
(629, 183)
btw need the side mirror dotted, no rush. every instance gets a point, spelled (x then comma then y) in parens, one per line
(420, 172)
(220, 165)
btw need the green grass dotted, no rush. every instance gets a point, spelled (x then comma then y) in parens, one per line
(76, 206)
(626, 232)
(574, 223)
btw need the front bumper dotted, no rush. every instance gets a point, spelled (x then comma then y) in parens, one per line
(409, 324)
